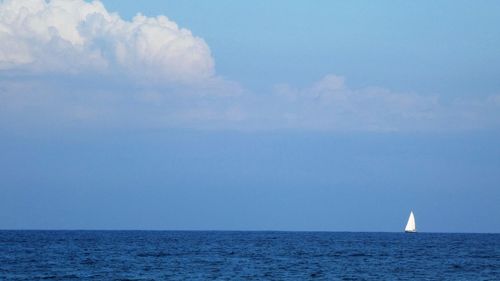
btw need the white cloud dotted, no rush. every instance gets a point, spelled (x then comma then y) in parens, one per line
(75, 36)
(73, 63)
(329, 104)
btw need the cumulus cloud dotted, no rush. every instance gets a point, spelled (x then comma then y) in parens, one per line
(73, 63)
(74, 36)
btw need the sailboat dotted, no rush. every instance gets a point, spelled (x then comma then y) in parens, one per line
(410, 226)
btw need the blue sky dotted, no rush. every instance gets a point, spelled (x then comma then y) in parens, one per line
(449, 47)
(250, 115)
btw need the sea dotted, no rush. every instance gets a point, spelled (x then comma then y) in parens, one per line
(242, 255)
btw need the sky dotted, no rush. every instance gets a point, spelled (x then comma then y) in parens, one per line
(261, 115)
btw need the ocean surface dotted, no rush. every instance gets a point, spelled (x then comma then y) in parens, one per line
(213, 255)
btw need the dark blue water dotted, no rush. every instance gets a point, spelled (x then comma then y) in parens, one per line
(171, 255)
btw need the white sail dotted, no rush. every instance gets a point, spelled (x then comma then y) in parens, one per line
(410, 226)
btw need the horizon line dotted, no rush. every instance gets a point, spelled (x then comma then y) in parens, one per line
(233, 230)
